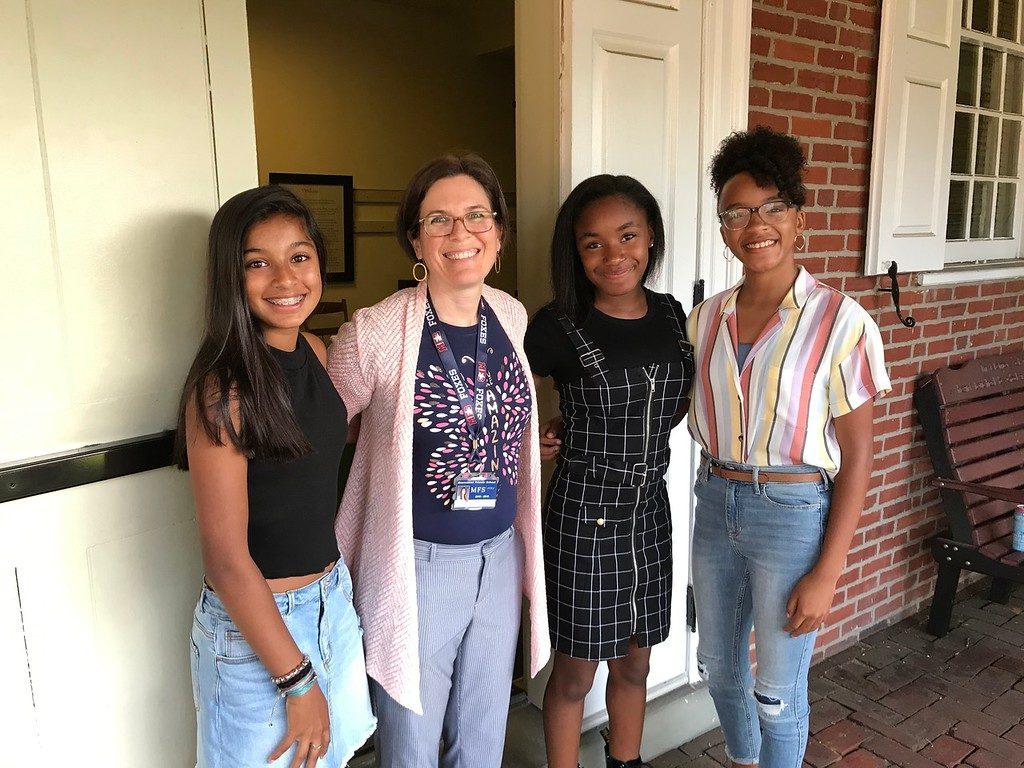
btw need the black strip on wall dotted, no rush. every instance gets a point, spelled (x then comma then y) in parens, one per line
(85, 465)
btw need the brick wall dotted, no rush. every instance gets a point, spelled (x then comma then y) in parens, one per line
(813, 66)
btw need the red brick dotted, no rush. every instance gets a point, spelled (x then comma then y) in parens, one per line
(855, 86)
(867, 65)
(760, 45)
(864, 18)
(838, 12)
(815, 30)
(794, 51)
(852, 131)
(777, 122)
(861, 759)
(773, 73)
(843, 737)
(947, 751)
(855, 199)
(821, 243)
(833, 59)
(818, 81)
(849, 177)
(811, 127)
(847, 221)
(774, 22)
(758, 96)
(862, 41)
(835, 153)
(833, 106)
(816, 174)
(811, 7)
(802, 102)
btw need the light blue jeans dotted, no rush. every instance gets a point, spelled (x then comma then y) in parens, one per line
(752, 542)
(240, 714)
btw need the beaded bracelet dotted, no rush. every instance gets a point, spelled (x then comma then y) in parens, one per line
(301, 686)
(303, 666)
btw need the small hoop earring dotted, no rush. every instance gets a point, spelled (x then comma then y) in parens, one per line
(497, 263)
(803, 245)
(415, 276)
(729, 256)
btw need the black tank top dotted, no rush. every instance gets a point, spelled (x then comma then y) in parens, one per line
(292, 504)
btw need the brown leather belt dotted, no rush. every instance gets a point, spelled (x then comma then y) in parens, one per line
(745, 476)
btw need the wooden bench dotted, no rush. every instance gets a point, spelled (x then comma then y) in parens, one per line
(973, 419)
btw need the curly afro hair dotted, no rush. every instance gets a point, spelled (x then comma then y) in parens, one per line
(772, 158)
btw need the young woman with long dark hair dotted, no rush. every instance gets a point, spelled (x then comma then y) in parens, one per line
(788, 370)
(277, 658)
(622, 366)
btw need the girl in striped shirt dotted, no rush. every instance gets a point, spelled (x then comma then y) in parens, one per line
(787, 371)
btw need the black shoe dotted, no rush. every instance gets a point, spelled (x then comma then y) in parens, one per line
(611, 762)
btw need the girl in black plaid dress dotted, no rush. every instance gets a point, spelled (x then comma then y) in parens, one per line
(622, 367)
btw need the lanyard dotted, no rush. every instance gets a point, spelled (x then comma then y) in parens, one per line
(472, 410)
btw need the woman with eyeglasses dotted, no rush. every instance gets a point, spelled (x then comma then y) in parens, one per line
(440, 520)
(788, 370)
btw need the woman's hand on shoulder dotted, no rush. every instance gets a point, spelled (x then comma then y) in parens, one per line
(550, 440)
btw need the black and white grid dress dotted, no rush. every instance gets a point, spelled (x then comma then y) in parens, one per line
(608, 528)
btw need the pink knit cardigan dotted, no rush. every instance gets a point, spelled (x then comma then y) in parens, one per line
(372, 362)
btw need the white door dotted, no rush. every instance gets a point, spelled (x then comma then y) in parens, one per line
(113, 166)
(637, 97)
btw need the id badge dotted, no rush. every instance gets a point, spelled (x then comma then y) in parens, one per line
(475, 490)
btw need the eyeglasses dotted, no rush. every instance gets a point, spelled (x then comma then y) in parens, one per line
(771, 212)
(441, 224)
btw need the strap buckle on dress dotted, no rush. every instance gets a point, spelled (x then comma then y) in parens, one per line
(640, 473)
(592, 358)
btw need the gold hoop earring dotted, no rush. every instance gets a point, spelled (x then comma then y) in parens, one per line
(497, 263)
(728, 254)
(415, 276)
(803, 245)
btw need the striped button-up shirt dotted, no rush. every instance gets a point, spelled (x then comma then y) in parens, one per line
(819, 357)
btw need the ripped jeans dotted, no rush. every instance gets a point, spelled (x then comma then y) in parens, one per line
(752, 543)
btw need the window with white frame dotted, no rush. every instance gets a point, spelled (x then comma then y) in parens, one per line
(984, 210)
(947, 172)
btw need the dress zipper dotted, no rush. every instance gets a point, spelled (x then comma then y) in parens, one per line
(632, 535)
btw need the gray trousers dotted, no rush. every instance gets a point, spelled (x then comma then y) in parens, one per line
(468, 602)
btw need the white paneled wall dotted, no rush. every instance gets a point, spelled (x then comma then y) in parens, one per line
(111, 175)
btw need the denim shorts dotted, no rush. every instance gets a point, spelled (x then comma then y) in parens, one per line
(240, 714)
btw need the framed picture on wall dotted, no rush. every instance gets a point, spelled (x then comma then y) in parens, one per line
(329, 197)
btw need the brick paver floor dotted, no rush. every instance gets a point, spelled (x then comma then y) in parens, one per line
(902, 698)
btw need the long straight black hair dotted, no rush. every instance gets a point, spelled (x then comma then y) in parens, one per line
(233, 367)
(573, 291)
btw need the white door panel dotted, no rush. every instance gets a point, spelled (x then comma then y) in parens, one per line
(630, 107)
(110, 141)
(107, 575)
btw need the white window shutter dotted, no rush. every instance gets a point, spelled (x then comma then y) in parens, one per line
(913, 135)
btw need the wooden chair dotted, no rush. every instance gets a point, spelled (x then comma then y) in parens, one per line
(327, 319)
(973, 419)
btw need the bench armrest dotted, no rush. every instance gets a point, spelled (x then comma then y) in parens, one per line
(1012, 495)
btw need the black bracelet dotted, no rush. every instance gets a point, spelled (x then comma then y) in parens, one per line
(286, 680)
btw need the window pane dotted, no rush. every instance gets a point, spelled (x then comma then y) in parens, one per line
(991, 77)
(1009, 147)
(1014, 84)
(1004, 209)
(981, 16)
(1006, 26)
(967, 79)
(981, 210)
(963, 142)
(985, 156)
(956, 217)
